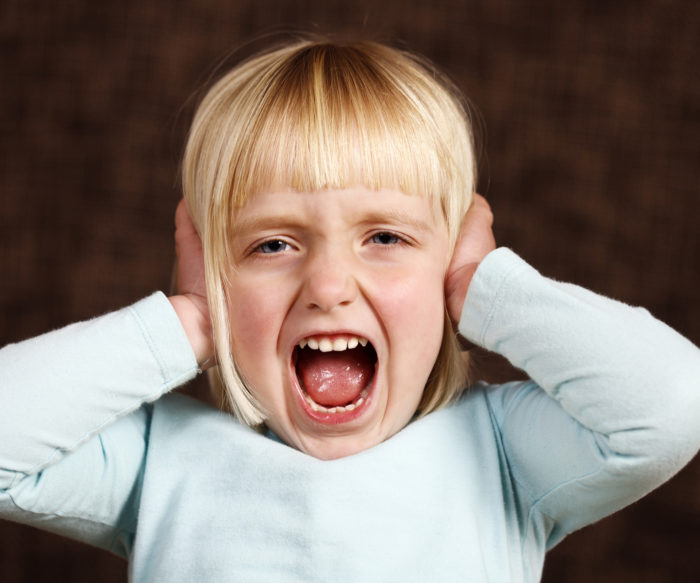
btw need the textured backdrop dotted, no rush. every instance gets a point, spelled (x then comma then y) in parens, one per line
(591, 147)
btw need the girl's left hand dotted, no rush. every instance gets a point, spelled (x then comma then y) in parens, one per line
(475, 241)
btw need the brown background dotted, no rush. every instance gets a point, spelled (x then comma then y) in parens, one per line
(592, 145)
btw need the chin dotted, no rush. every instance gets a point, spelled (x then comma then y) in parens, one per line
(332, 448)
(328, 445)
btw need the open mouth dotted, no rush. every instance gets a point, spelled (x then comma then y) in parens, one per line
(335, 375)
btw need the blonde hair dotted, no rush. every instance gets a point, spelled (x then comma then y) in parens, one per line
(315, 115)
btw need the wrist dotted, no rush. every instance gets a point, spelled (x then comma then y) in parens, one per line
(457, 286)
(193, 313)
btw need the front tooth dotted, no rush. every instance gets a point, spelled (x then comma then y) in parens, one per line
(340, 344)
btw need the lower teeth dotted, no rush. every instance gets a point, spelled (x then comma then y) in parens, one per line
(342, 409)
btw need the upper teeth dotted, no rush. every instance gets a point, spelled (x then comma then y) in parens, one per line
(325, 344)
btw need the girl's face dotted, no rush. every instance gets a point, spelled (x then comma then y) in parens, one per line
(316, 276)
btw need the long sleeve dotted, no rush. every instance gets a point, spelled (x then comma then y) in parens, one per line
(59, 391)
(622, 411)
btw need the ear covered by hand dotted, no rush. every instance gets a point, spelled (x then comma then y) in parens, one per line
(475, 241)
(190, 303)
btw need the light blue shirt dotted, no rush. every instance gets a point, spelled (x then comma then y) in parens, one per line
(92, 447)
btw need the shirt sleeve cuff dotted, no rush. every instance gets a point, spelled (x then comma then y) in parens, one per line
(166, 339)
(486, 290)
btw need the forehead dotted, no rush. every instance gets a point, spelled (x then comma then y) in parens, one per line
(346, 205)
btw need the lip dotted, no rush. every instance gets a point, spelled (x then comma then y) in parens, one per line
(327, 418)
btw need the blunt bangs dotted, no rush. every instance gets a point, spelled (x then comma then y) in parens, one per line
(322, 116)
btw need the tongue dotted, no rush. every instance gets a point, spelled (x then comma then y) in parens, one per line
(334, 379)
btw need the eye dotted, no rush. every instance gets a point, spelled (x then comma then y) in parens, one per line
(385, 238)
(272, 246)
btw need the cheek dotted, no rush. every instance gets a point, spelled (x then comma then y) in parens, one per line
(416, 311)
(414, 319)
(253, 318)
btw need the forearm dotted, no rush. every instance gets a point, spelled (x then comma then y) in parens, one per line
(612, 367)
(629, 385)
(59, 389)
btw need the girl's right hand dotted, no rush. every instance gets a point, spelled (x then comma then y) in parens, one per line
(191, 303)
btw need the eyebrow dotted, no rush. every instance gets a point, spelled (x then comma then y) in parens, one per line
(396, 217)
(273, 221)
(391, 217)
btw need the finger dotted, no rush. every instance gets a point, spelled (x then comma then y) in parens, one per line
(187, 239)
(183, 221)
(475, 238)
(479, 213)
(188, 247)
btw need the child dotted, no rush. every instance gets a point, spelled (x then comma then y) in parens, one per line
(330, 185)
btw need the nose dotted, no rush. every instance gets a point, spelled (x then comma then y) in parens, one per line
(329, 281)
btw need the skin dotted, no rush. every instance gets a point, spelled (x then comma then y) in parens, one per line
(374, 264)
(475, 241)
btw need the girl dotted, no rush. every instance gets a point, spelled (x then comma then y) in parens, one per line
(328, 247)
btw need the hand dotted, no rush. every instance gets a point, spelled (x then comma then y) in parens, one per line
(191, 303)
(475, 241)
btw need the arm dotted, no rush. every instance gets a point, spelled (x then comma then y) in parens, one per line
(61, 388)
(613, 408)
(72, 434)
